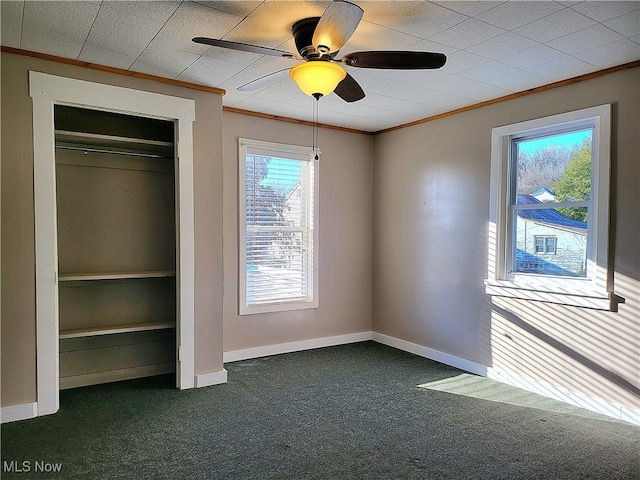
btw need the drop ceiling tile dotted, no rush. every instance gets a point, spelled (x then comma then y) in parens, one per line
(426, 20)
(235, 56)
(445, 101)
(269, 25)
(126, 28)
(210, 71)
(511, 15)
(616, 53)
(232, 98)
(533, 56)
(11, 27)
(58, 28)
(586, 39)
(602, 11)
(462, 60)
(164, 62)
(369, 36)
(555, 25)
(564, 68)
(518, 81)
(627, 25)
(502, 46)
(421, 77)
(257, 104)
(265, 66)
(374, 104)
(193, 20)
(387, 13)
(456, 85)
(469, 8)
(110, 59)
(488, 71)
(240, 9)
(429, 46)
(467, 33)
(284, 91)
(293, 111)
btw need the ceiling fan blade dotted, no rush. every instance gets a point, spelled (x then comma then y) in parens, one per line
(349, 90)
(245, 47)
(390, 59)
(264, 81)
(335, 27)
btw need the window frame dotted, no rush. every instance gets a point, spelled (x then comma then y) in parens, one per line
(279, 150)
(594, 291)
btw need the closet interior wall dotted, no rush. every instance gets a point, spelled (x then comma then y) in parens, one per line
(116, 223)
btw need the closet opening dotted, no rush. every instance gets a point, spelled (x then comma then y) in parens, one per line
(116, 237)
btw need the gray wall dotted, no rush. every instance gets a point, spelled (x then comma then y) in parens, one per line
(431, 207)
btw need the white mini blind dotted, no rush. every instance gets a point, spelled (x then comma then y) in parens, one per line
(277, 226)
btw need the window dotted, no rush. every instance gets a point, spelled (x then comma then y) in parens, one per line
(549, 209)
(278, 227)
(544, 245)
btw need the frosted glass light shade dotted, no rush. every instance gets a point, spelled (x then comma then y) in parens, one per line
(317, 77)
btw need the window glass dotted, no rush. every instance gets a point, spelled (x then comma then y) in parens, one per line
(278, 248)
(552, 170)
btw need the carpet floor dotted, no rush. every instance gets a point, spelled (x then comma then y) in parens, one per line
(358, 411)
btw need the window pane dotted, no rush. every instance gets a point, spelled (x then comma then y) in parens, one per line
(278, 239)
(549, 243)
(554, 168)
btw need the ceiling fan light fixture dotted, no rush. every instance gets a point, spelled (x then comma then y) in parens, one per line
(317, 77)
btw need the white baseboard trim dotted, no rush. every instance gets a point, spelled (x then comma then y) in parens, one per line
(14, 413)
(213, 378)
(594, 404)
(267, 350)
(431, 354)
(578, 399)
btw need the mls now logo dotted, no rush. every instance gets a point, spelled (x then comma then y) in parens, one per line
(27, 466)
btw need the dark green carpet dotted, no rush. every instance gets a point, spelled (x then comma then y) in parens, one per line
(348, 412)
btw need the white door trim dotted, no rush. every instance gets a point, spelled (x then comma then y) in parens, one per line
(47, 91)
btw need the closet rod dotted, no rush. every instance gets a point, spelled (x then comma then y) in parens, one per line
(117, 152)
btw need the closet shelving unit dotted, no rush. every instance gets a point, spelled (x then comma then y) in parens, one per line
(116, 246)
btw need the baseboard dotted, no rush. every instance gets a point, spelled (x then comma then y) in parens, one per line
(14, 413)
(578, 399)
(267, 350)
(213, 378)
(594, 404)
(447, 359)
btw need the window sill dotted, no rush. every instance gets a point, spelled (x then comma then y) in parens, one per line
(584, 298)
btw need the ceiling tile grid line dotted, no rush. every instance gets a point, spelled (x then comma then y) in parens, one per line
(494, 48)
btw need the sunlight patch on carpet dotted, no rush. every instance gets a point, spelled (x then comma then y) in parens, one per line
(484, 388)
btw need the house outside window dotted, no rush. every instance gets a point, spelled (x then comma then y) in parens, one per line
(545, 244)
(549, 209)
(278, 247)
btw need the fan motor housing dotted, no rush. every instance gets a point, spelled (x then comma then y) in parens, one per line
(302, 32)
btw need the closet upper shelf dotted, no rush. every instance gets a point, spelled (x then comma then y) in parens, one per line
(113, 144)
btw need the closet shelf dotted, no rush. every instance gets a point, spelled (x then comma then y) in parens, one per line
(74, 277)
(114, 144)
(106, 330)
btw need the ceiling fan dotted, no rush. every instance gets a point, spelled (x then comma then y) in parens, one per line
(318, 40)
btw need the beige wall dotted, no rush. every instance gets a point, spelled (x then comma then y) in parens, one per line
(403, 233)
(18, 282)
(345, 237)
(431, 207)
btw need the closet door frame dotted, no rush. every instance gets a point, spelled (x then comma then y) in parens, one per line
(50, 90)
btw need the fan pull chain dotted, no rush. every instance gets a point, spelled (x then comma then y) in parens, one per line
(315, 127)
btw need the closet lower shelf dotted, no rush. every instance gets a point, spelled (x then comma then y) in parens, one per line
(94, 331)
